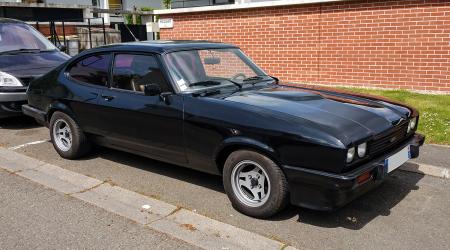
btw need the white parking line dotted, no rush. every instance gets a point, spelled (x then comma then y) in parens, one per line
(27, 144)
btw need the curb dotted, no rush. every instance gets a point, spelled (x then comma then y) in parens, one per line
(425, 169)
(160, 216)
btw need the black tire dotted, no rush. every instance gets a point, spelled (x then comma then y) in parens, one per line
(278, 194)
(80, 145)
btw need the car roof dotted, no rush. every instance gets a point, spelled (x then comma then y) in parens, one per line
(163, 46)
(9, 20)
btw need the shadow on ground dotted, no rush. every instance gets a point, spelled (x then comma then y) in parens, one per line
(18, 122)
(363, 210)
(184, 174)
(353, 216)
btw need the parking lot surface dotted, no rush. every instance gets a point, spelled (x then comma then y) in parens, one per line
(34, 217)
(409, 211)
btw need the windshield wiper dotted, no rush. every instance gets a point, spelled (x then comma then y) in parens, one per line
(17, 51)
(214, 83)
(235, 83)
(204, 83)
(207, 92)
(253, 78)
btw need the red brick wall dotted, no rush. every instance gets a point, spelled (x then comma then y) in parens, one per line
(386, 44)
(68, 29)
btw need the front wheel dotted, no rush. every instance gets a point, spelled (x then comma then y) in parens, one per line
(255, 184)
(67, 138)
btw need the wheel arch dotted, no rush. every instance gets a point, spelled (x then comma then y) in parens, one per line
(241, 143)
(61, 107)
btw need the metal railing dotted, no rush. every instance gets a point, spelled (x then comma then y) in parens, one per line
(55, 37)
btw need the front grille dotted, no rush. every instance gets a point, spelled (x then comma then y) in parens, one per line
(388, 140)
(26, 80)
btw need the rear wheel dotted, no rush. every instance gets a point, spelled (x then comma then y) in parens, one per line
(255, 184)
(67, 138)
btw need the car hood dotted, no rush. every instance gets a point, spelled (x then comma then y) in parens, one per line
(345, 116)
(31, 64)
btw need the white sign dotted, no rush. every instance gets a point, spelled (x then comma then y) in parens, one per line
(165, 23)
(152, 27)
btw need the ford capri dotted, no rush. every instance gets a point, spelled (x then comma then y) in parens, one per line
(209, 107)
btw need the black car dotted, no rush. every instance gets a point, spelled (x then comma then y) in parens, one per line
(208, 107)
(24, 55)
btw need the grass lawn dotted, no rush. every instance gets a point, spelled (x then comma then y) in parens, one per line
(434, 111)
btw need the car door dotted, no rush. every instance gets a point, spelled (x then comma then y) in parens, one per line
(135, 122)
(85, 79)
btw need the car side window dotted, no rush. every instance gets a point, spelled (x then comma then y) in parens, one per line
(92, 69)
(134, 71)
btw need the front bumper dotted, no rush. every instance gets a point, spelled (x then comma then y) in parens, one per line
(11, 102)
(325, 191)
(13, 96)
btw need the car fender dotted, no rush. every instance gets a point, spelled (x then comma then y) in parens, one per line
(231, 143)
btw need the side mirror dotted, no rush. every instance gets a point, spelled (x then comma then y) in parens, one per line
(62, 47)
(152, 89)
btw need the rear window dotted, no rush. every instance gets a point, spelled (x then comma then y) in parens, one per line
(92, 69)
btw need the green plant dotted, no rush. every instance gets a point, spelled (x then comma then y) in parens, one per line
(167, 3)
(147, 9)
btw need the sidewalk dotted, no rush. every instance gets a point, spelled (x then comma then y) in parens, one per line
(434, 155)
(35, 217)
(434, 160)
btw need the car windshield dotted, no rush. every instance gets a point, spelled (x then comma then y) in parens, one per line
(212, 68)
(20, 36)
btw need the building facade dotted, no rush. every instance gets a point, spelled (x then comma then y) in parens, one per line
(376, 43)
(47, 10)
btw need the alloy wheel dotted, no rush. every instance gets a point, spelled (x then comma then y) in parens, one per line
(62, 135)
(250, 183)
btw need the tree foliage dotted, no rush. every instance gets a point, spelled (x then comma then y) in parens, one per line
(167, 3)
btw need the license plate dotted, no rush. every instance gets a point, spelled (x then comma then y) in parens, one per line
(397, 159)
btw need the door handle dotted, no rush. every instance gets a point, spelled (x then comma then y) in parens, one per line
(108, 97)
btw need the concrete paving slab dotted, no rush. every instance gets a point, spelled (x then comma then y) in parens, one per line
(59, 179)
(434, 155)
(211, 234)
(425, 169)
(129, 204)
(13, 162)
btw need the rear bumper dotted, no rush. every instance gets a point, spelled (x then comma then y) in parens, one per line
(328, 191)
(37, 114)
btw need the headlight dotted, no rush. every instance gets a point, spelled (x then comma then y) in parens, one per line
(350, 154)
(7, 80)
(412, 124)
(362, 149)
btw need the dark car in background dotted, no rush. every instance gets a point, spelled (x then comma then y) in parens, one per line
(208, 107)
(24, 55)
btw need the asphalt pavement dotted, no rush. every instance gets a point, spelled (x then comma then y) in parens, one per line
(409, 211)
(34, 217)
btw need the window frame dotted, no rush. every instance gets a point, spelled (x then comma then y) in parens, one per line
(77, 60)
(158, 61)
